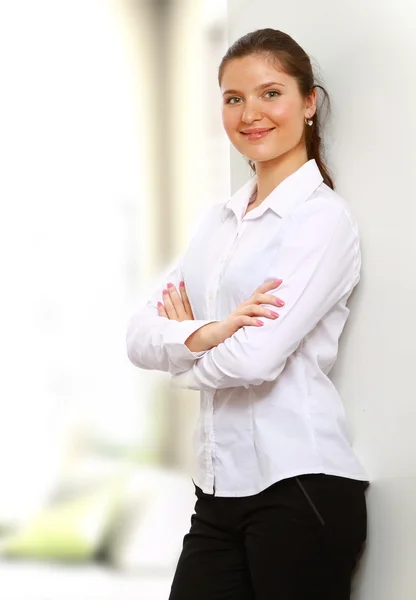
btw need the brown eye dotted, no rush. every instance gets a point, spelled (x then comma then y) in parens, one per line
(229, 101)
(273, 92)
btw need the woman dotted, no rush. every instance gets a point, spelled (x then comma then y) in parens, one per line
(280, 510)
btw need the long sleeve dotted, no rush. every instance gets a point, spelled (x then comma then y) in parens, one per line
(319, 263)
(155, 342)
(158, 343)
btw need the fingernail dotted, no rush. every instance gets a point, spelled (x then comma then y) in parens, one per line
(278, 281)
(280, 303)
(159, 304)
(165, 292)
(274, 313)
(170, 285)
(259, 322)
(182, 284)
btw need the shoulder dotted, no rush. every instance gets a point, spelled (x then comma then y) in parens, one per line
(323, 225)
(214, 215)
(212, 211)
(207, 216)
(329, 208)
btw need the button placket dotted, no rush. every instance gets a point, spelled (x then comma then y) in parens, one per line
(215, 281)
(227, 255)
(212, 312)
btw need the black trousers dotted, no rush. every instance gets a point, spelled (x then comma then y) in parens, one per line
(299, 539)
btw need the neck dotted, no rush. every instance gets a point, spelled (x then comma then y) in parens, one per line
(271, 173)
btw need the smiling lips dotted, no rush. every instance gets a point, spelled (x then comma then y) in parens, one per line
(256, 134)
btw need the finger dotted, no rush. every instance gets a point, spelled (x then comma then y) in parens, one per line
(170, 309)
(161, 310)
(260, 293)
(270, 284)
(254, 310)
(243, 321)
(177, 301)
(185, 299)
(266, 299)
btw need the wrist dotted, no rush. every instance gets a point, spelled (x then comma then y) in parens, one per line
(200, 340)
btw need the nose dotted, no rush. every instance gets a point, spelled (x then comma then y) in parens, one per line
(251, 113)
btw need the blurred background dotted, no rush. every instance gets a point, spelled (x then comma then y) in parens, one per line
(111, 147)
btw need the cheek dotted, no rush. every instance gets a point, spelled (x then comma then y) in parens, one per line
(230, 121)
(282, 113)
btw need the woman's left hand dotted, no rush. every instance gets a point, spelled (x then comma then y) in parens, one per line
(175, 306)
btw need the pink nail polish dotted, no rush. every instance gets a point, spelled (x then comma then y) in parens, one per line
(182, 284)
(259, 322)
(170, 285)
(165, 292)
(159, 304)
(274, 313)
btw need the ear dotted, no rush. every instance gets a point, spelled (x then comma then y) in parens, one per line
(310, 104)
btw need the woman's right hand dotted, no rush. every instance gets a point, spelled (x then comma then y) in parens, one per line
(246, 314)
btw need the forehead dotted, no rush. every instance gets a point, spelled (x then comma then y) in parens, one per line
(251, 71)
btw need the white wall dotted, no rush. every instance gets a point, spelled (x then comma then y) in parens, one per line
(367, 55)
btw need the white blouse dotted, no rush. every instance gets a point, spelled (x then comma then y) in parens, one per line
(268, 410)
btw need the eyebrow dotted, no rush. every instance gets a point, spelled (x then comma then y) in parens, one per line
(257, 89)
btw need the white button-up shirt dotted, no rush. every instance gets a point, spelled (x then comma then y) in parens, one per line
(268, 410)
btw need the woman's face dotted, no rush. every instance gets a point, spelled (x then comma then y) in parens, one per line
(263, 111)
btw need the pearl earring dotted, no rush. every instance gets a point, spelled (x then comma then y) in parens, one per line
(308, 121)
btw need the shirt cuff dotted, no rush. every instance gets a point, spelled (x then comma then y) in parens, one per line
(175, 338)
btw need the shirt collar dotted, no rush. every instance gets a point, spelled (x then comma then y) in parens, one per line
(290, 192)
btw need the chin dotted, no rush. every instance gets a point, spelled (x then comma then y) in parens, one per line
(259, 153)
(263, 157)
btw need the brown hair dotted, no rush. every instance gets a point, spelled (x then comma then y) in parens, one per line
(294, 61)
